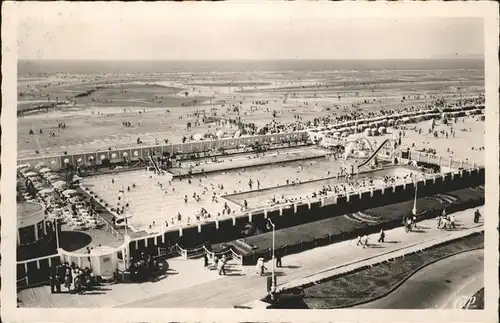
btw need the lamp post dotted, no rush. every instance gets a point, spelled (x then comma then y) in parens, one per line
(126, 224)
(273, 287)
(56, 225)
(414, 210)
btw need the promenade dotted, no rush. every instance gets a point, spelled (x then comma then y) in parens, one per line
(242, 285)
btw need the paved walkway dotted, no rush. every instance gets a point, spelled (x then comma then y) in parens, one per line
(244, 285)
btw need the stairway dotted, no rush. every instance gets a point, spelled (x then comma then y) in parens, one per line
(350, 217)
(365, 217)
(448, 198)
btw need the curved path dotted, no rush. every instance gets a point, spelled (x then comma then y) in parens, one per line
(439, 285)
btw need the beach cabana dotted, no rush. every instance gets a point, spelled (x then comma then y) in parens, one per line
(30, 174)
(367, 132)
(382, 130)
(337, 134)
(198, 136)
(44, 170)
(237, 134)
(220, 134)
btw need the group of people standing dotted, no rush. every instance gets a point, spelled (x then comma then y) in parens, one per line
(219, 263)
(74, 279)
(445, 221)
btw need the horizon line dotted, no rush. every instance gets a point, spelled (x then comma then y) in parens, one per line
(470, 57)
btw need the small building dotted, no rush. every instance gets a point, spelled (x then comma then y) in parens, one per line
(35, 236)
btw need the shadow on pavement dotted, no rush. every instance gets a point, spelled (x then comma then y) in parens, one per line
(375, 246)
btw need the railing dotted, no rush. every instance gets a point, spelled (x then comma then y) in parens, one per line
(228, 253)
(200, 251)
(180, 251)
(109, 226)
(38, 261)
(49, 257)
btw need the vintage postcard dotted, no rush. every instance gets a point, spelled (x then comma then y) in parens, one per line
(250, 161)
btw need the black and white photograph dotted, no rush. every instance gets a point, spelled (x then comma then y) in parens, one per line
(175, 159)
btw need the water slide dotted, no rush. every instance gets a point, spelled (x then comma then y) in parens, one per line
(374, 153)
(158, 171)
(368, 142)
(351, 144)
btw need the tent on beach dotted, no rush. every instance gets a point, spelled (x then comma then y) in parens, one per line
(220, 134)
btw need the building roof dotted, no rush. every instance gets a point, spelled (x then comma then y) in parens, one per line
(27, 209)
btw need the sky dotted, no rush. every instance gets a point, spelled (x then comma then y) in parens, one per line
(180, 33)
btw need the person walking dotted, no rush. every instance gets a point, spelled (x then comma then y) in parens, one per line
(205, 260)
(278, 260)
(409, 224)
(452, 221)
(365, 241)
(68, 280)
(439, 220)
(52, 283)
(58, 282)
(381, 237)
(260, 266)
(78, 283)
(414, 218)
(88, 251)
(477, 215)
(220, 266)
(216, 261)
(445, 224)
(257, 266)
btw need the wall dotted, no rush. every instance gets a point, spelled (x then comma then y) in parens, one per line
(225, 230)
(57, 162)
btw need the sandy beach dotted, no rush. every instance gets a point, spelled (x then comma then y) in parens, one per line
(160, 106)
